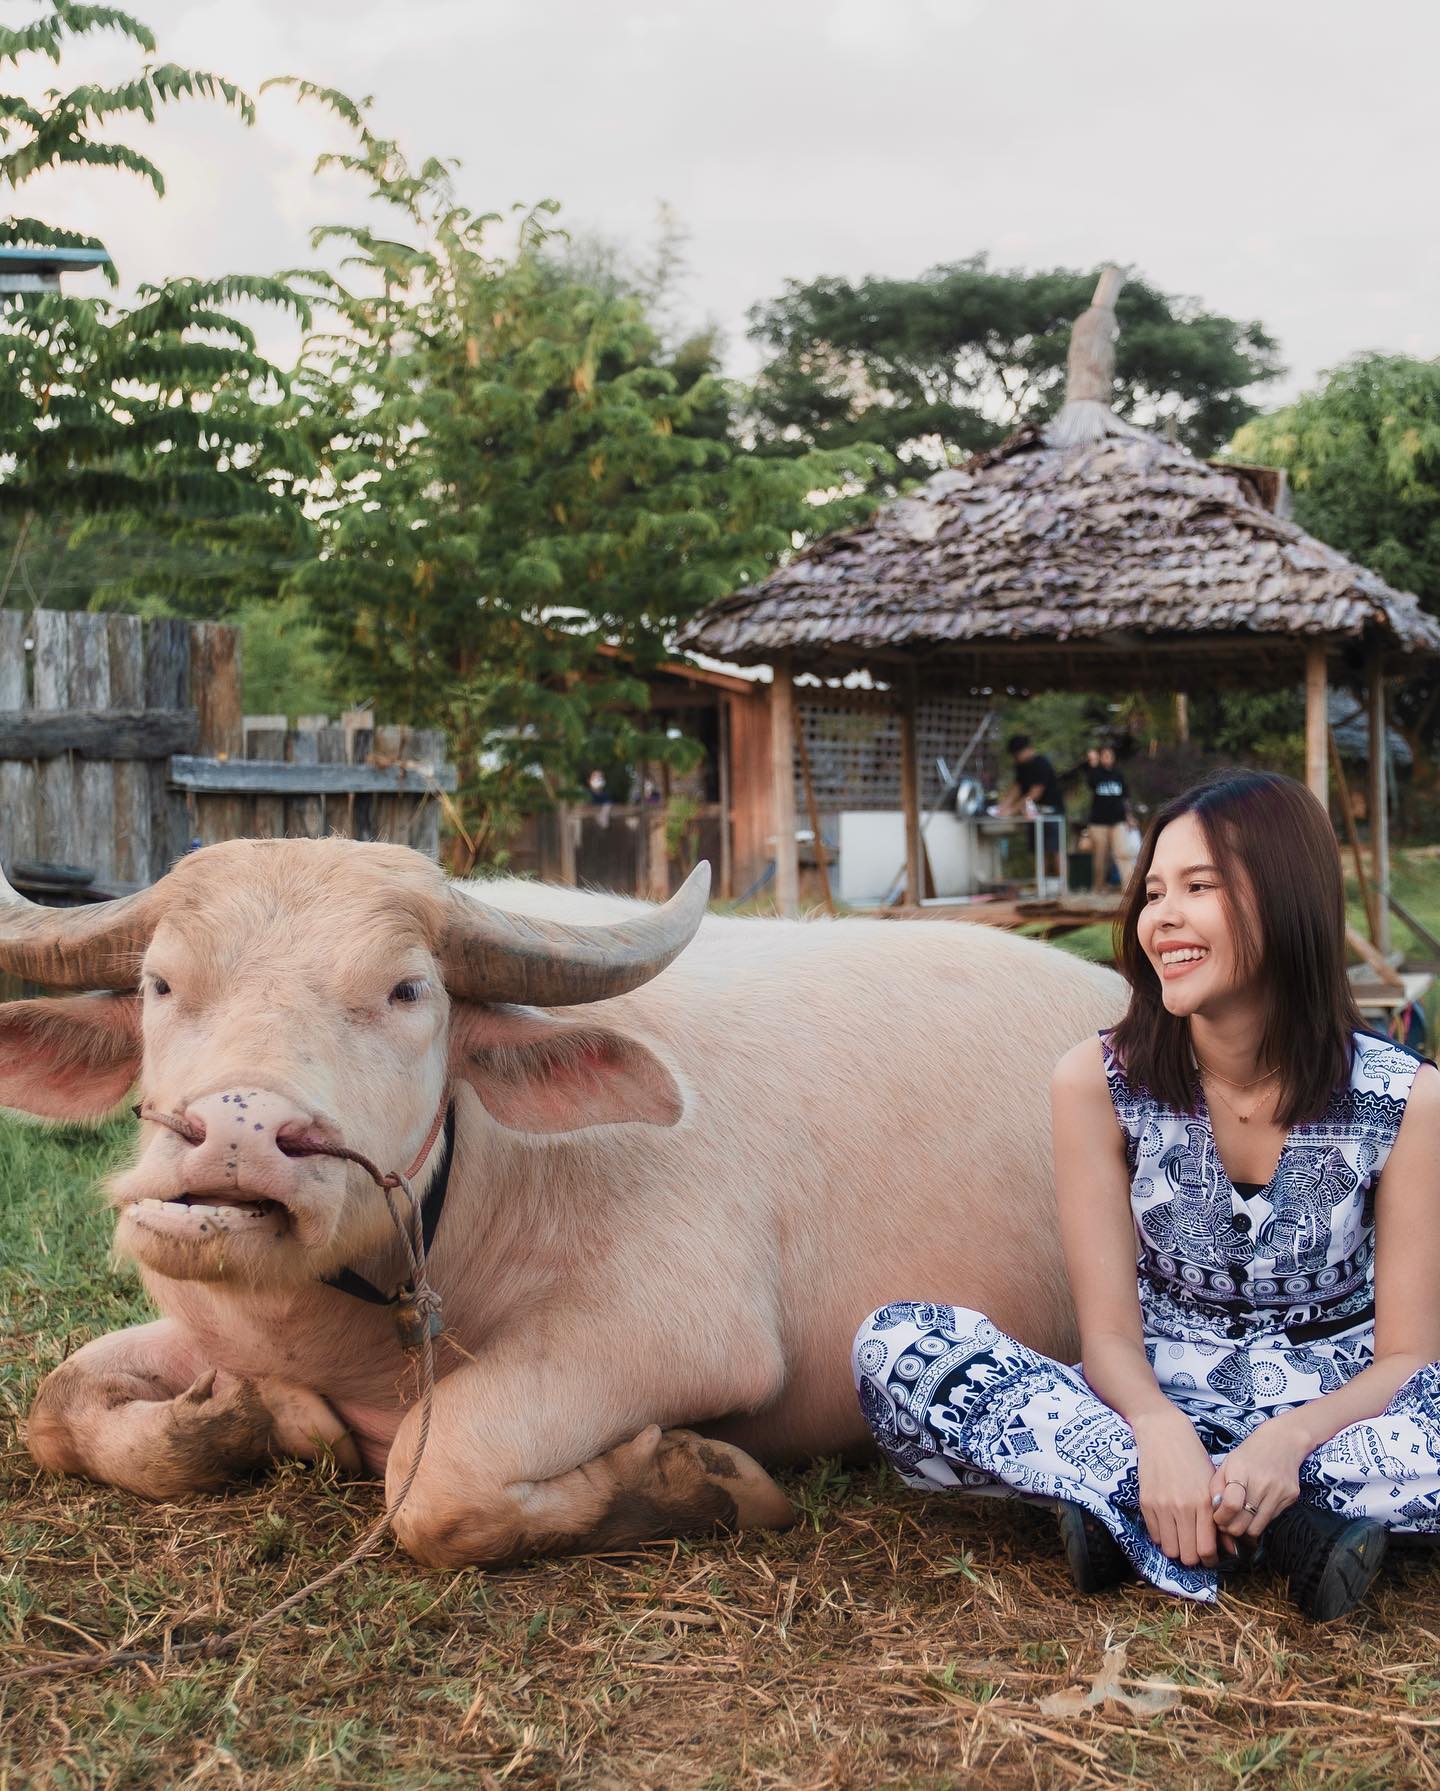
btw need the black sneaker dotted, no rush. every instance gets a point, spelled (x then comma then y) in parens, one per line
(1096, 1559)
(1331, 1561)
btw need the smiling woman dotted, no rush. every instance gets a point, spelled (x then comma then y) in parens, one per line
(1267, 1385)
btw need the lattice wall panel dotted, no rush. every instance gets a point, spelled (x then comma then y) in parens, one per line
(854, 748)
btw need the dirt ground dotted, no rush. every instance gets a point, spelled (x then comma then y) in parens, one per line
(886, 1641)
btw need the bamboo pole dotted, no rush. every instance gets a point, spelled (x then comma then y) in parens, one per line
(813, 810)
(1342, 784)
(1317, 723)
(782, 789)
(1379, 795)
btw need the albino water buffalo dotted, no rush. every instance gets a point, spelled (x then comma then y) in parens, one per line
(663, 1217)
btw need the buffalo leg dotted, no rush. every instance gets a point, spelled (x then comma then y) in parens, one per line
(661, 1483)
(140, 1409)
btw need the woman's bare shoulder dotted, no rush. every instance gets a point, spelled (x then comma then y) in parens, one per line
(1080, 1073)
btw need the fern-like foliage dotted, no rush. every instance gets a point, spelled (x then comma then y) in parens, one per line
(162, 416)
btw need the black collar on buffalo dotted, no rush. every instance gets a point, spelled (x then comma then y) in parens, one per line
(348, 1281)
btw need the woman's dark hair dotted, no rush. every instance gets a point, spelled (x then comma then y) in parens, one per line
(1271, 840)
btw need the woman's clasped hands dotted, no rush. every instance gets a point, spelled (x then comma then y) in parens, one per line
(1258, 1480)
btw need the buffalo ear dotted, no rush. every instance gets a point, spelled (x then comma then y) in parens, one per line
(74, 1058)
(538, 1074)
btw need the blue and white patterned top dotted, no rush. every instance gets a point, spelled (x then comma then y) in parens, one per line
(1298, 1256)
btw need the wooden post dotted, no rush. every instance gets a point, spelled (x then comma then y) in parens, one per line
(910, 798)
(726, 891)
(1379, 796)
(782, 789)
(568, 822)
(1342, 787)
(1182, 717)
(1317, 724)
(812, 809)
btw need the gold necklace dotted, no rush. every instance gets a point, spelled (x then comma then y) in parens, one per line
(1244, 1087)
(1244, 1118)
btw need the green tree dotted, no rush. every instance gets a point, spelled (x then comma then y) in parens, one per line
(1363, 454)
(934, 368)
(523, 490)
(159, 417)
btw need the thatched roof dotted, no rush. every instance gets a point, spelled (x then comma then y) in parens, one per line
(1088, 554)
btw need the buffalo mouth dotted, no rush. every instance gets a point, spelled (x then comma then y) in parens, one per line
(217, 1212)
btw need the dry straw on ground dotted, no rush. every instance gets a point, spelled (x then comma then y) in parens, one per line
(887, 1641)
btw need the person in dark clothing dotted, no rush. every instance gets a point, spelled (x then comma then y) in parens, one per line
(1036, 789)
(1110, 818)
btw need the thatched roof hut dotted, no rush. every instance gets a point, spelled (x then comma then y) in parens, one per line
(1085, 555)
(1111, 563)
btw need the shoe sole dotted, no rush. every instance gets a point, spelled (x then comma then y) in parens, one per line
(1080, 1551)
(1352, 1564)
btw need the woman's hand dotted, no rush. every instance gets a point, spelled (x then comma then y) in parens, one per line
(1175, 1488)
(1257, 1480)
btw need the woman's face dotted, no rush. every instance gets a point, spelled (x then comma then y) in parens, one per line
(1185, 928)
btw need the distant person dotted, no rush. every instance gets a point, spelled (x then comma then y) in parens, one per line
(595, 787)
(1111, 820)
(1035, 791)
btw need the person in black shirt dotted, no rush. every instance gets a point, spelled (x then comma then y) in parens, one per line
(1036, 787)
(1110, 818)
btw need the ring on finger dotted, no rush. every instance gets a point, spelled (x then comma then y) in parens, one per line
(1254, 1510)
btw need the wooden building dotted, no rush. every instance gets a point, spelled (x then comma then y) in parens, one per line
(849, 745)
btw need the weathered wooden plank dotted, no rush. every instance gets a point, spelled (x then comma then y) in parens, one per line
(55, 780)
(391, 812)
(215, 688)
(14, 657)
(89, 690)
(361, 743)
(330, 742)
(330, 776)
(167, 686)
(427, 750)
(17, 776)
(132, 781)
(109, 734)
(223, 814)
(305, 815)
(267, 744)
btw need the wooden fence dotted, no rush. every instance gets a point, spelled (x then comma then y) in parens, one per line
(123, 744)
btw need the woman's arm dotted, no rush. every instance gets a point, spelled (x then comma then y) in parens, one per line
(1092, 1186)
(1407, 1321)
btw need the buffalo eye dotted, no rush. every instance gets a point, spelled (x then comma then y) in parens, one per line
(410, 990)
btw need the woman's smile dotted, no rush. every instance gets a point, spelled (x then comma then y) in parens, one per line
(1179, 960)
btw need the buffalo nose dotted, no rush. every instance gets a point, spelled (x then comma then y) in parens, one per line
(248, 1137)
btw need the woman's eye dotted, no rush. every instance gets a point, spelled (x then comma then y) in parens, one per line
(408, 991)
(159, 986)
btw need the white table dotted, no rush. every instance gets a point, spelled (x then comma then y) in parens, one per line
(1046, 886)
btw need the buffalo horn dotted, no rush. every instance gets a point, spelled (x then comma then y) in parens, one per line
(94, 946)
(490, 955)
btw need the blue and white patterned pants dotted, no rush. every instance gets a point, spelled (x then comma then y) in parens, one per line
(955, 1404)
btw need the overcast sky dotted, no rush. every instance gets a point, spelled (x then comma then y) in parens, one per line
(1275, 158)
